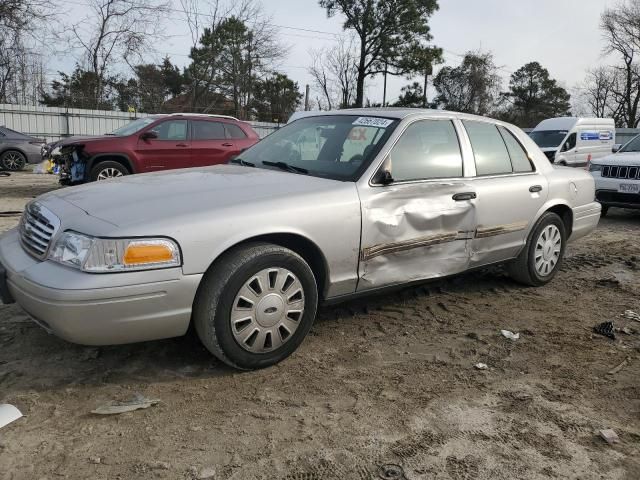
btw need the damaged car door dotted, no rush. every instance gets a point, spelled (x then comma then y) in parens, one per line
(418, 213)
(510, 192)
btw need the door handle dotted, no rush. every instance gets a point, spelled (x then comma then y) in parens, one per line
(535, 188)
(227, 144)
(181, 145)
(460, 197)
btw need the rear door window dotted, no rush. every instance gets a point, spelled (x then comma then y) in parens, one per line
(204, 130)
(489, 149)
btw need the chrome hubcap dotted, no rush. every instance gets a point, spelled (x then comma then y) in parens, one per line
(109, 173)
(13, 161)
(547, 252)
(267, 310)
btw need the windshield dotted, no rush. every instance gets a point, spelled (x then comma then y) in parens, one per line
(133, 127)
(548, 138)
(632, 145)
(338, 146)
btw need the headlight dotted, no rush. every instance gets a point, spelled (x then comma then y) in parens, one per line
(105, 255)
(594, 167)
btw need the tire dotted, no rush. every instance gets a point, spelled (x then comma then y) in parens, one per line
(524, 269)
(13, 160)
(218, 302)
(604, 211)
(107, 169)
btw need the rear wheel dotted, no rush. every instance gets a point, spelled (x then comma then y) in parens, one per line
(13, 160)
(254, 308)
(106, 170)
(542, 257)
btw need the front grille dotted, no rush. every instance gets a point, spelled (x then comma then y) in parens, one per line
(615, 171)
(37, 226)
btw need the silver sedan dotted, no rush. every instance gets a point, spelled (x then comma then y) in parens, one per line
(331, 206)
(18, 149)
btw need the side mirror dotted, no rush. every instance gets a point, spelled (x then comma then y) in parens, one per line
(148, 135)
(616, 148)
(383, 177)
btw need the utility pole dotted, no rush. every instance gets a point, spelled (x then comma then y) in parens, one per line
(428, 71)
(306, 98)
(384, 89)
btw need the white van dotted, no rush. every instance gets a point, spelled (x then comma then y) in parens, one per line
(575, 141)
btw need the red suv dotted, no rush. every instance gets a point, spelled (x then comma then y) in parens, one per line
(156, 142)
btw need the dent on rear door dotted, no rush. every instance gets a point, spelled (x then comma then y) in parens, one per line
(414, 231)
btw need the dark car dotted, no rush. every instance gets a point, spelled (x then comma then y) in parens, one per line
(156, 142)
(18, 149)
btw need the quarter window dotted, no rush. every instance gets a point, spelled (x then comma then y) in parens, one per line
(204, 130)
(427, 149)
(519, 158)
(172, 130)
(234, 131)
(489, 150)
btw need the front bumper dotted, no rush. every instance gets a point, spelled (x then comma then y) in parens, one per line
(98, 309)
(607, 192)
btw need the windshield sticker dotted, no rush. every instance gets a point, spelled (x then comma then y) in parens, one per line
(373, 122)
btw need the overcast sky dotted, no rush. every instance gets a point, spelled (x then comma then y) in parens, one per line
(563, 35)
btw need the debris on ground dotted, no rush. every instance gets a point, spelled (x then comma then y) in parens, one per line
(605, 329)
(631, 315)
(609, 436)
(481, 366)
(95, 460)
(391, 472)
(627, 330)
(510, 335)
(615, 370)
(137, 402)
(8, 414)
(207, 473)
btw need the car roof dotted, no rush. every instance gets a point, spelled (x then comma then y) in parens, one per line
(193, 115)
(400, 113)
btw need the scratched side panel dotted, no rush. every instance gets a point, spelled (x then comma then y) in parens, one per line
(414, 231)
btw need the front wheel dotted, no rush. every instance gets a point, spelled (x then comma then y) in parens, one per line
(13, 161)
(604, 211)
(107, 170)
(255, 305)
(542, 257)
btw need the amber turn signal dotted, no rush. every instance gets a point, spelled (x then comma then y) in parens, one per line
(140, 253)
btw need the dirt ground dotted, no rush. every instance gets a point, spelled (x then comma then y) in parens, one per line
(386, 380)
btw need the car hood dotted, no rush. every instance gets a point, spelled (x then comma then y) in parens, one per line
(187, 193)
(80, 139)
(621, 158)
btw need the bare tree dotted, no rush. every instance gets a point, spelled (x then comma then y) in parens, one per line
(117, 31)
(323, 83)
(599, 92)
(621, 29)
(335, 72)
(22, 25)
